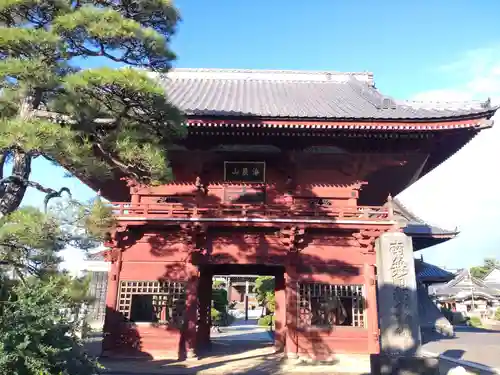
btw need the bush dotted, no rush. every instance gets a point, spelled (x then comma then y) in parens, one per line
(497, 314)
(38, 333)
(266, 321)
(270, 301)
(221, 319)
(215, 315)
(474, 321)
(219, 299)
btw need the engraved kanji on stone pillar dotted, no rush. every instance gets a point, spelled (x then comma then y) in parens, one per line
(397, 295)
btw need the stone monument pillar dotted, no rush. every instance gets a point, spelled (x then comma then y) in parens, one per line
(398, 305)
(397, 295)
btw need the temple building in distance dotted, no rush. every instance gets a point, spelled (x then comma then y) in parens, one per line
(288, 174)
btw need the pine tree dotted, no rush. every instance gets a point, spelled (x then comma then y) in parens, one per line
(97, 123)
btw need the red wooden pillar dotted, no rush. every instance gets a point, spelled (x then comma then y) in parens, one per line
(188, 337)
(135, 199)
(280, 313)
(291, 295)
(112, 319)
(371, 308)
(204, 299)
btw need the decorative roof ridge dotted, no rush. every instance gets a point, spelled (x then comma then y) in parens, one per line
(271, 75)
(433, 265)
(95, 255)
(462, 275)
(491, 271)
(411, 216)
(450, 104)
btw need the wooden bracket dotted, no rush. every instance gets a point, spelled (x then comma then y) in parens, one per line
(366, 239)
(293, 238)
(195, 234)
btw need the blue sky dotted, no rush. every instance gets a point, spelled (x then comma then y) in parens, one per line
(429, 50)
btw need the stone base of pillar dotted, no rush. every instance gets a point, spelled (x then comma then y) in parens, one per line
(382, 364)
(191, 354)
(292, 355)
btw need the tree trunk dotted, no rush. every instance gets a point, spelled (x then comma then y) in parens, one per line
(3, 159)
(12, 194)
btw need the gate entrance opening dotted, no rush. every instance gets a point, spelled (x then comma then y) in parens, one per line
(234, 311)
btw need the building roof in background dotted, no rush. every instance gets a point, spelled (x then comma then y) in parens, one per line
(95, 257)
(324, 95)
(492, 279)
(423, 234)
(463, 285)
(429, 273)
(418, 226)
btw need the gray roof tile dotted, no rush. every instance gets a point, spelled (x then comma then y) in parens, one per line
(298, 94)
(98, 256)
(430, 272)
(463, 281)
(416, 225)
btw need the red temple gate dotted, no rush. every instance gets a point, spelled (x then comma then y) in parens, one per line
(300, 195)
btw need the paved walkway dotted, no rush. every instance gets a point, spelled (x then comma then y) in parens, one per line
(242, 348)
(243, 330)
(469, 344)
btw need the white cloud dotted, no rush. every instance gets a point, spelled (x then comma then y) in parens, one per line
(476, 75)
(462, 190)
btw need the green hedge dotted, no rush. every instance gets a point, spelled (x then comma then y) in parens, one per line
(219, 299)
(474, 321)
(266, 321)
(222, 319)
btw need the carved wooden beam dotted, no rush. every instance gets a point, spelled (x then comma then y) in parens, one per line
(293, 238)
(123, 236)
(195, 234)
(112, 255)
(366, 239)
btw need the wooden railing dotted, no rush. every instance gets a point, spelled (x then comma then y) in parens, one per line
(177, 210)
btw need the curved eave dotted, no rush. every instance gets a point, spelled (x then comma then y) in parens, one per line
(428, 236)
(433, 280)
(467, 126)
(387, 125)
(114, 190)
(464, 296)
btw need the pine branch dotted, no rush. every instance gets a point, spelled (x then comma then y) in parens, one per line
(127, 169)
(61, 118)
(135, 171)
(50, 193)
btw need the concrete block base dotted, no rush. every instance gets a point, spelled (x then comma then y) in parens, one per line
(387, 365)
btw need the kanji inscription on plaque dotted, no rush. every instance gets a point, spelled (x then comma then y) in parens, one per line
(245, 171)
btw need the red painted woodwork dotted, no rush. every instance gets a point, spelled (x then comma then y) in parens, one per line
(338, 258)
(358, 124)
(183, 211)
(305, 218)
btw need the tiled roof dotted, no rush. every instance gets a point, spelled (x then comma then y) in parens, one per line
(300, 94)
(423, 234)
(463, 282)
(426, 272)
(98, 256)
(416, 225)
